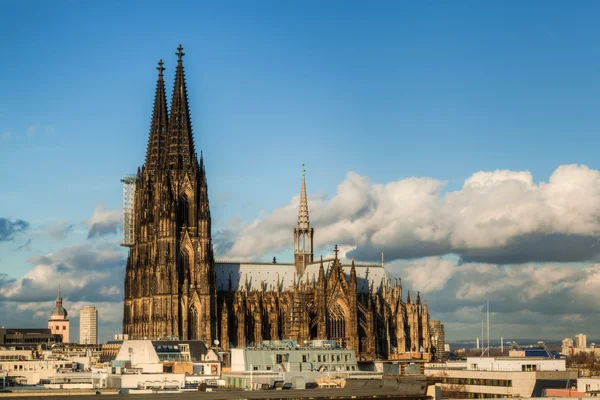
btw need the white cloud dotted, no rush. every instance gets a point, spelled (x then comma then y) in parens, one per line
(498, 217)
(103, 222)
(543, 301)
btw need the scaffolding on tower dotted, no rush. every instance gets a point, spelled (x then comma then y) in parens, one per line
(128, 210)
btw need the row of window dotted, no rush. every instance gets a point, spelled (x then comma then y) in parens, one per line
(57, 328)
(321, 358)
(476, 381)
(325, 368)
(13, 357)
(484, 396)
(334, 358)
(29, 367)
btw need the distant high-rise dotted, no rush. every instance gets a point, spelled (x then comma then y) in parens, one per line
(59, 321)
(438, 337)
(88, 325)
(567, 346)
(581, 341)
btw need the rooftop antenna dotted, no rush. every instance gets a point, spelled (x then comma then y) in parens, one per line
(481, 355)
(488, 328)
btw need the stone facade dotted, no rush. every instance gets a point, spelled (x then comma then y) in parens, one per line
(174, 287)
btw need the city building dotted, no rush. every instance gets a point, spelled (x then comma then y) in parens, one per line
(28, 337)
(589, 386)
(175, 288)
(581, 341)
(285, 360)
(438, 338)
(169, 364)
(59, 321)
(88, 325)
(35, 371)
(567, 346)
(490, 377)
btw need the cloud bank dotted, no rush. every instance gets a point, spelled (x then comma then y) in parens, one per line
(543, 300)
(496, 217)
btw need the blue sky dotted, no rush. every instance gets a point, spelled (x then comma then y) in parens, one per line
(385, 89)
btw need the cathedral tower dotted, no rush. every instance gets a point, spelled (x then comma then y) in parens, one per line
(303, 233)
(170, 280)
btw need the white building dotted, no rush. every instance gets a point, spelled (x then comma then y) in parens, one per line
(589, 386)
(481, 377)
(88, 325)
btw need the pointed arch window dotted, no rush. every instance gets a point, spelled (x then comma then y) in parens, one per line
(193, 323)
(184, 210)
(336, 322)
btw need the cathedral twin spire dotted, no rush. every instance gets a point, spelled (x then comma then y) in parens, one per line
(171, 142)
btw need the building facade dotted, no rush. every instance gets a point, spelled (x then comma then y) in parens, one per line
(175, 288)
(59, 322)
(567, 346)
(438, 338)
(493, 377)
(581, 341)
(88, 325)
(29, 337)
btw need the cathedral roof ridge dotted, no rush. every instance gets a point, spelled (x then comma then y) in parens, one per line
(264, 263)
(344, 264)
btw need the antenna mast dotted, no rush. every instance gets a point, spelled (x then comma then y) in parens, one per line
(488, 327)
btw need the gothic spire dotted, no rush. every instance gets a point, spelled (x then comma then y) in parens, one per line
(303, 221)
(59, 298)
(159, 124)
(180, 142)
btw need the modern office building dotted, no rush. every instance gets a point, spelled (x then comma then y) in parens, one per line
(491, 377)
(28, 337)
(88, 325)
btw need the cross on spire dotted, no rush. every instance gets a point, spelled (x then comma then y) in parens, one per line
(160, 68)
(180, 52)
(335, 249)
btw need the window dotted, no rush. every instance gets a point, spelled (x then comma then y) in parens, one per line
(268, 368)
(346, 357)
(319, 358)
(64, 328)
(304, 358)
(255, 368)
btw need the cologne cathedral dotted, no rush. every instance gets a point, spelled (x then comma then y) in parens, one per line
(175, 288)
